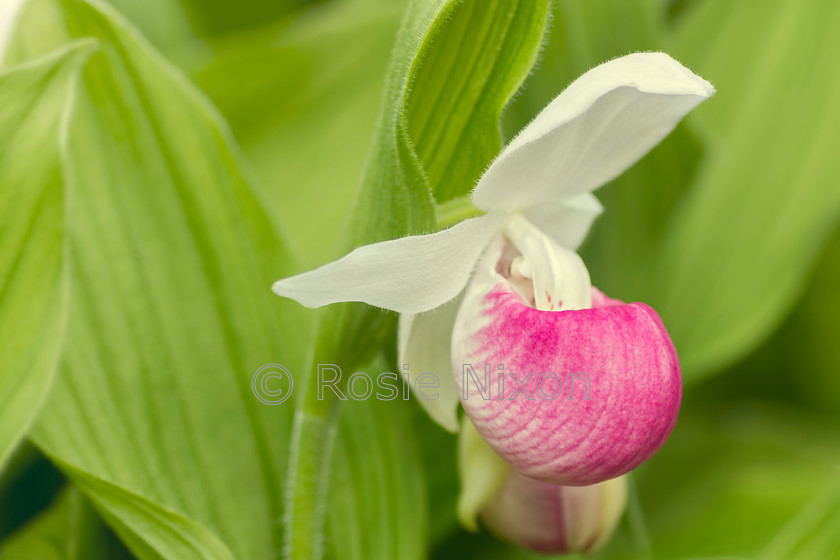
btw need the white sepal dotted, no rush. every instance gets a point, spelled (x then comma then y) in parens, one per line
(595, 129)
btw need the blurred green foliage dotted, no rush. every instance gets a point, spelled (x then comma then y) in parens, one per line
(33, 290)
(729, 228)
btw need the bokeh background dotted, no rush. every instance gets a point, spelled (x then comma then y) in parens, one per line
(729, 229)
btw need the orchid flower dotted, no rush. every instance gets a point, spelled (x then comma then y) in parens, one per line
(556, 519)
(507, 290)
(543, 517)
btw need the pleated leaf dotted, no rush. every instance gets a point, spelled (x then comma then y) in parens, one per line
(173, 254)
(33, 290)
(737, 252)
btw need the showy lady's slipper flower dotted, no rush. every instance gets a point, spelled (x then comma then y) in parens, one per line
(543, 517)
(556, 519)
(529, 306)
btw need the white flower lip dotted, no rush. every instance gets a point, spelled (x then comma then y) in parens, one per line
(594, 130)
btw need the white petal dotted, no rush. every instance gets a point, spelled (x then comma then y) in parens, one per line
(599, 126)
(567, 222)
(9, 12)
(410, 275)
(425, 343)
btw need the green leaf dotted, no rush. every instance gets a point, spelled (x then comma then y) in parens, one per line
(30, 482)
(173, 256)
(454, 68)
(221, 16)
(438, 455)
(68, 530)
(737, 252)
(453, 118)
(376, 503)
(807, 343)
(33, 102)
(164, 22)
(815, 530)
(302, 97)
(734, 463)
(150, 530)
(805, 349)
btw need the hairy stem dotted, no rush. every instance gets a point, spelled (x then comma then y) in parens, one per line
(313, 436)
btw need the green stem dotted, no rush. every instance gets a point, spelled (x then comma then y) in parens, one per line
(355, 337)
(313, 436)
